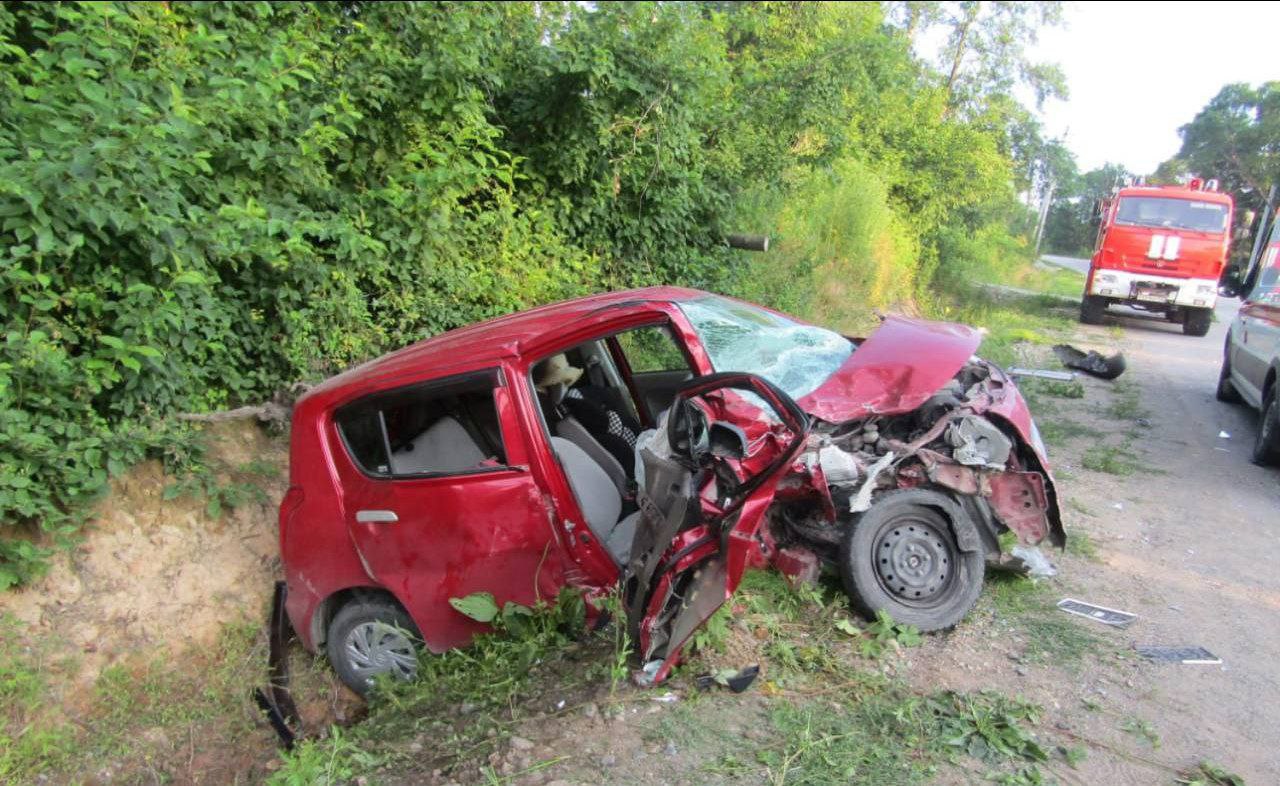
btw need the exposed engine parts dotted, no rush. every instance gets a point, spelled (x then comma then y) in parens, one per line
(954, 443)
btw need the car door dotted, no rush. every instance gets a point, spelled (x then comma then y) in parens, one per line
(440, 502)
(1258, 344)
(711, 470)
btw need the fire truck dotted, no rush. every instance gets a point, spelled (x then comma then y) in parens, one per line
(1161, 249)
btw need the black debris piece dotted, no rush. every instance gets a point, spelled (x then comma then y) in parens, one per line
(1091, 362)
(1189, 655)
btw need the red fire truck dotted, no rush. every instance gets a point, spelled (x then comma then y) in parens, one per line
(1160, 249)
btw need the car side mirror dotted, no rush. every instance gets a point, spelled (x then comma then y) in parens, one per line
(727, 440)
(1230, 285)
(688, 433)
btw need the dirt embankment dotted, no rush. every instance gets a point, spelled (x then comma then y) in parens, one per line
(153, 575)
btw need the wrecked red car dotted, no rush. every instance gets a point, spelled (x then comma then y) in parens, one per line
(656, 443)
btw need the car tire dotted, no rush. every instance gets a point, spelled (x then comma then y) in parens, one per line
(1266, 445)
(1092, 308)
(1226, 391)
(902, 557)
(1197, 321)
(369, 637)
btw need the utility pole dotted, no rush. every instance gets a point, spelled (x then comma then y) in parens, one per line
(1044, 214)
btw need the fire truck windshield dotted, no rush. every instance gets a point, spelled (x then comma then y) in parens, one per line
(1172, 214)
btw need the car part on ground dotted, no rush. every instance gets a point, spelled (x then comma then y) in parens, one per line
(276, 701)
(1042, 373)
(1091, 362)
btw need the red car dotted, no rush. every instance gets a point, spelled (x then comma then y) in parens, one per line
(659, 442)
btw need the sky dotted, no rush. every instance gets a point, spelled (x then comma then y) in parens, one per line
(1137, 71)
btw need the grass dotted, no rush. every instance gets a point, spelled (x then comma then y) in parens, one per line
(144, 719)
(1048, 635)
(1080, 544)
(1111, 459)
(1057, 431)
(1142, 729)
(1125, 402)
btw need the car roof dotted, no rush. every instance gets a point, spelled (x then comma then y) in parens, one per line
(485, 343)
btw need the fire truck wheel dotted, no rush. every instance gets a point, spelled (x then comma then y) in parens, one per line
(1197, 321)
(1266, 449)
(1091, 308)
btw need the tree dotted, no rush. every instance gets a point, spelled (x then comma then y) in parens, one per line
(1071, 227)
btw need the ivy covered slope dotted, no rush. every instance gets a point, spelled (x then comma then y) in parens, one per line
(201, 204)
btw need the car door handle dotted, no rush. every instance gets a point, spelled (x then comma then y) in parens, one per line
(376, 516)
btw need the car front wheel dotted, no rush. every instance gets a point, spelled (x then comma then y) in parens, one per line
(369, 638)
(1266, 447)
(901, 556)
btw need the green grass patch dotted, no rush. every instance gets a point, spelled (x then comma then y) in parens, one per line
(1126, 403)
(1058, 431)
(1142, 729)
(1048, 635)
(1110, 459)
(1206, 773)
(1080, 544)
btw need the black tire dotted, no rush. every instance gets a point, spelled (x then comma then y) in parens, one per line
(369, 637)
(1197, 321)
(938, 588)
(1226, 391)
(1092, 308)
(1266, 446)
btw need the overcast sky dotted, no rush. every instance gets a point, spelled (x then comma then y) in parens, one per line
(1137, 71)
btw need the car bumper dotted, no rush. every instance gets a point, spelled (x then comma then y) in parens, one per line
(1154, 290)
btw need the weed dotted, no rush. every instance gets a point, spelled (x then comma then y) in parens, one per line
(881, 634)
(1125, 402)
(1111, 459)
(321, 762)
(989, 726)
(1080, 544)
(714, 634)
(1143, 730)
(1055, 388)
(1029, 608)
(1206, 773)
(1057, 431)
(1073, 755)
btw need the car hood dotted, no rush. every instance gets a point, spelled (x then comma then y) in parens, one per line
(896, 369)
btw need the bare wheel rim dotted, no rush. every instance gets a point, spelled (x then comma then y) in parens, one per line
(376, 647)
(915, 561)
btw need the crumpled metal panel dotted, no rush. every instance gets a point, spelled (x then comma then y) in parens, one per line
(894, 370)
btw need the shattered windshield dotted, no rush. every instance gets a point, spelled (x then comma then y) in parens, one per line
(740, 337)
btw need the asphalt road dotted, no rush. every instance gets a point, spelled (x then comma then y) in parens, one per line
(1080, 266)
(1193, 551)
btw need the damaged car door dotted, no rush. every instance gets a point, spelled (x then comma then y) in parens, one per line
(710, 471)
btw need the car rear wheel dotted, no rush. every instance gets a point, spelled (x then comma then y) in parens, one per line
(901, 556)
(1266, 447)
(1197, 321)
(369, 638)
(1091, 309)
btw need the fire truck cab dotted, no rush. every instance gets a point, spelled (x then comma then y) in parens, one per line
(1160, 249)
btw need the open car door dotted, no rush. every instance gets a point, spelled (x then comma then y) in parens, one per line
(710, 471)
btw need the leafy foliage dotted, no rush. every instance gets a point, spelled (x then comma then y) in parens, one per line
(203, 204)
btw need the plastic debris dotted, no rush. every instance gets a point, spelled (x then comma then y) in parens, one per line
(1034, 561)
(1113, 617)
(1190, 655)
(1223, 435)
(736, 681)
(1043, 373)
(1091, 362)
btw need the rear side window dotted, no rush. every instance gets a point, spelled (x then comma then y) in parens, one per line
(444, 427)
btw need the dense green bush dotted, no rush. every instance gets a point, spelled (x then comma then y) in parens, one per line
(201, 204)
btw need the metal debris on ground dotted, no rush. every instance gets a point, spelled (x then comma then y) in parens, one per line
(1091, 362)
(1113, 617)
(1043, 373)
(1189, 655)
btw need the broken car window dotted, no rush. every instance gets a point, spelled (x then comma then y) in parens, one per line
(740, 337)
(443, 427)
